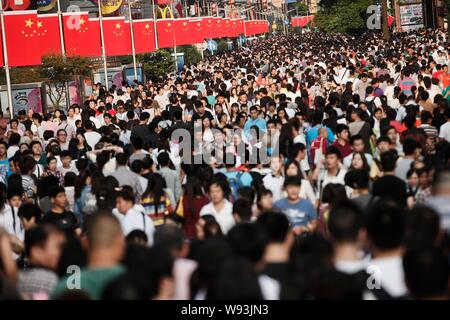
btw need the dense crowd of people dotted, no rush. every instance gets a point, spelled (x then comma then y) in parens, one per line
(299, 167)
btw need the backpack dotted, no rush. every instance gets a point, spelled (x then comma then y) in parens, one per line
(235, 183)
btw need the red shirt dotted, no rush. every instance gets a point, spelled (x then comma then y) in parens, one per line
(345, 150)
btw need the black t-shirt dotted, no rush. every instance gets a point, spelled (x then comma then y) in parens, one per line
(390, 187)
(66, 221)
(277, 271)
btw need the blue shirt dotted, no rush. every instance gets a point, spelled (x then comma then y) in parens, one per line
(260, 123)
(299, 214)
(4, 169)
(245, 180)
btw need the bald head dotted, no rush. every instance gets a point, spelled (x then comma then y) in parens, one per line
(103, 231)
(441, 183)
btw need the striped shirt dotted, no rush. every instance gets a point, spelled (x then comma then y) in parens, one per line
(157, 213)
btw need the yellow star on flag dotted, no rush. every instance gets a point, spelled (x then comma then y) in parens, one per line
(118, 26)
(82, 21)
(28, 23)
(147, 26)
(39, 24)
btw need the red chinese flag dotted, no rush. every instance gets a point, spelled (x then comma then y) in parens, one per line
(81, 35)
(22, 41)
(249, 28)
(197, 30)
(390, 20)
(234, 28)
(48, 34)
(209, 24)
(117, 36)
(218, 28)
(294, 21)
(226, 27)
(166, 37)
(183, 32)
(240, 23)
(144, 36)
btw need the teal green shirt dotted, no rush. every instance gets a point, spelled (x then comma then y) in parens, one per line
(92, 281)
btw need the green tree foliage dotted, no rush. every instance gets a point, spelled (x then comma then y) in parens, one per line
(156, 64)
(343, 16)
(56, 70)
(302, 8)
(191, 54)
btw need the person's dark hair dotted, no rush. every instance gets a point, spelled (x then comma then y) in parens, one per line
(54, 191)
(357, 179)
(28, 211)
(426, 272)
(155, 187)
(422, 227)
(388, 160)
(292, 180)
(14, 139)
(137, 142)
(37, 237)
(385, 225)
(236, 280)
(65, 153)
(341, 127)
(276, 225)
(345, 222)
(121, 159)
(69, 179)
(136, 236)
(246, 193)
(163, 159)
(243, 209)
(333, 150)
(26, 164)
(356, 137)
(126, 195)
(248, 240)
(169, 237)
(296, 148)
(333, 194)
(410, 145)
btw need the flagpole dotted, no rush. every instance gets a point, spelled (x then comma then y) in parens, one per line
(133, 50)
(175, 44)
(154, 25)
(6, 66)
(100, 20)
(61, 34)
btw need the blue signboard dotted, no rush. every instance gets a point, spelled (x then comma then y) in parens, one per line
(129, 74)
(212, 46)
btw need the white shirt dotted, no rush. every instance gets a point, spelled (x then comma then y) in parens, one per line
(338, 179)
(11, 151)
(223, 217)
(348, 159)
(135, 219)
(92, 138)
(275, 185)
(388, 272)
(7, 218)
(72, 168)
(444, 132)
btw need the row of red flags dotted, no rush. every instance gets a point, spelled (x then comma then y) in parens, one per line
(303, 21)
(30, 36)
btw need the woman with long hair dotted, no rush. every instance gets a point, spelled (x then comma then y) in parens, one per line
(292, 168)
(156, 200)
(190, 204)
(359, 161)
